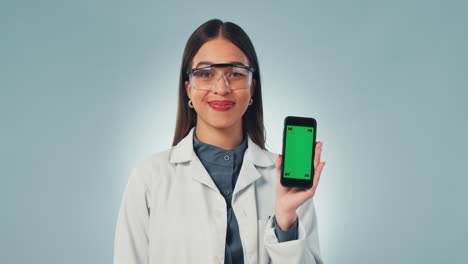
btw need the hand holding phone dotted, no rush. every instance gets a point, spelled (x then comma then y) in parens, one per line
(299, 142)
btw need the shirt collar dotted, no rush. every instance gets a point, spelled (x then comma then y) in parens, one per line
(219, 155)
(184, 151)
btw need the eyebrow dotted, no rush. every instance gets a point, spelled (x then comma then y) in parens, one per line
(209, 62)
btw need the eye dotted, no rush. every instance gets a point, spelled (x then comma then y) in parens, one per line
(205, 73)
(202, 73)
(237, 74)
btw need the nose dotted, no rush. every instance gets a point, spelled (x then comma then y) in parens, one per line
(223, 87)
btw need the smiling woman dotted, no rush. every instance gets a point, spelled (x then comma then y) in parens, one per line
(211, 105)
(214, 43)
(215, 196)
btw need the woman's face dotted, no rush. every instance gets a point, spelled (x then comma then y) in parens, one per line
(219, 50)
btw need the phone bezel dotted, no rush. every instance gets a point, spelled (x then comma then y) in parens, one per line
(298, 121)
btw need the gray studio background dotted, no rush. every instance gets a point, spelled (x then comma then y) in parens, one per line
(89, 90)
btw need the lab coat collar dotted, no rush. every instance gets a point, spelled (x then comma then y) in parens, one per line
(183, 152)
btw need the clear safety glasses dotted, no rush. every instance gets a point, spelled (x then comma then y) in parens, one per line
(236, 76)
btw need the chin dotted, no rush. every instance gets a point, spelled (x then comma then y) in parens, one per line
(223, 123)
(220, 124)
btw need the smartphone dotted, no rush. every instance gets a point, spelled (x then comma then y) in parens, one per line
(299, 136)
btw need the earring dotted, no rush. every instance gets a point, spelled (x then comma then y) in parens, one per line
(251, 101)
(190, 103)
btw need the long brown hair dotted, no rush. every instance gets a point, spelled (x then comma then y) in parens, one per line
(252, 120)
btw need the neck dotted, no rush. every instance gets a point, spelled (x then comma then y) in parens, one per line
(225, 138)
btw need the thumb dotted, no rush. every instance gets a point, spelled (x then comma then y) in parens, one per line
(279, 160)
(280, 189)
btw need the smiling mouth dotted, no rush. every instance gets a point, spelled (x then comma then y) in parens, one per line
(221, 105)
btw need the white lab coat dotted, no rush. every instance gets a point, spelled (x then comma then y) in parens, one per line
(172, 212)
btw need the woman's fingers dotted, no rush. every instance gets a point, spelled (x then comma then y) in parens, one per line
(298, 196)
(278, 166)
(318, 172)
(318, 166)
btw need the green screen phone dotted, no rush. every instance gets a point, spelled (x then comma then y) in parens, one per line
(298, 151)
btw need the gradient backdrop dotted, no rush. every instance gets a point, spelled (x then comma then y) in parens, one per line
(89, 90)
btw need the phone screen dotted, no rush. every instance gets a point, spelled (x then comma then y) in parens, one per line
(298, 152)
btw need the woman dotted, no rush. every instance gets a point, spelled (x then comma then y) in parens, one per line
(215, 196)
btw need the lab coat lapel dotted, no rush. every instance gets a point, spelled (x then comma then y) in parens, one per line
(254, 156)
(248, 173)
(184, 152)
(200, 174)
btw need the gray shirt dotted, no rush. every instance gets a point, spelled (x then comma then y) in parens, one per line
(224, 166)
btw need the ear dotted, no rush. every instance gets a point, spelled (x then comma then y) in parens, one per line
(188, 89)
